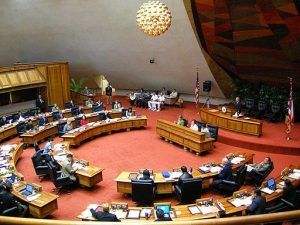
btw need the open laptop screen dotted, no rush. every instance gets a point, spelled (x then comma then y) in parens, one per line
(165, 208)
(271, 183)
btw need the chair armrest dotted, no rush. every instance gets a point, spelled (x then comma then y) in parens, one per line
(42, 167)
(289, 204)
(254, 172)
(227, 182)
(61, 179)
(178, 189)
(10, 210)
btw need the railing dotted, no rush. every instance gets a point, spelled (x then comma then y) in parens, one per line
(238, 220)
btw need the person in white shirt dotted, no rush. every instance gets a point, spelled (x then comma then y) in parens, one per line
(152, 102)
(206, 131)
(160, 101)
(117, 105)
(194, 126)
(21, 117)
(174, 94)
(132, 98)
(55, 108)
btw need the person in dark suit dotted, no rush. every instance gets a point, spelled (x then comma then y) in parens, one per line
(225, 174)
(58, 115)
(29, 125)
(184, 175)
(161, 216)
(237, 105)
(146, 175)
(50, 158)
(108, 93)
(258, 204)
(105, 215)
(3, 121)
(40, 103)
(288, 194)
(42, 120)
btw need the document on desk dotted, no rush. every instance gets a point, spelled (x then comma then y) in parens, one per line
(204, 169)
(215, 169)
(294, 175)
(208, 209)
(133, 214)
(194, 209)
(238, 202)
(87, 213)
(33, 197)
(175, 175)
(267, 190)
(237, 160)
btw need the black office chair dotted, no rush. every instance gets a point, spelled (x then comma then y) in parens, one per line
(36, 146)
(214, 131)
(60, 128)
(189, 190)
(249, 107)
(75, 111)
(261, 110)
(274, 115)
(39, 164)
(50, 108)
(77, 121)
(124, 111)
(258, 177)
(186, 122)
(13, 211)
(21, 128)
(143, 191)
(286, 205)
(55, 176)
(200, 124)
(230, 186)
(34, 111)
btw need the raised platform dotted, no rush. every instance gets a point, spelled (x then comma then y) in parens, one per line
(273, 139)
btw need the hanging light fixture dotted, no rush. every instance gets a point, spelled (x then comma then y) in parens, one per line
(154, 18)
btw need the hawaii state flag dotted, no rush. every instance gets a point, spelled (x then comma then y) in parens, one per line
(197, 90)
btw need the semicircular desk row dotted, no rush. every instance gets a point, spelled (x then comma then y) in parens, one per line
(204, 208)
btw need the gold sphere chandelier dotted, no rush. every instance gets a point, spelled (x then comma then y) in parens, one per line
(154, 18)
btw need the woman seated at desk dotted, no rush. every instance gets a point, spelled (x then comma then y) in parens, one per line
(55, 108)
(83, 121)
(58, 115)
(194, 126)
(129, 112)
(117, 105)
(205, 130)
(89, 103)
(68, 126)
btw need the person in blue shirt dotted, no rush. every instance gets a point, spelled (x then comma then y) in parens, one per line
(258, 204)
(48, 146)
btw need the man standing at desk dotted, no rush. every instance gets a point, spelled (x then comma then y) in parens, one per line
(108, 93)
(237, 105)
(40, 103)
(105, 215)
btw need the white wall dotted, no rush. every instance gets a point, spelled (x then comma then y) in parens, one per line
(102, 37)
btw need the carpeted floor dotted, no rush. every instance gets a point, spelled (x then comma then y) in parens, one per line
(130, 151)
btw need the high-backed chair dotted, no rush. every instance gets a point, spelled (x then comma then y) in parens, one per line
(249, 107)
(258, 177)
(13, 211)
(261, 110)
(274, 115)
(39, 164)
(55, 176)
(230, 186)
(143, 191)
(214, 131)
(286, 205)
(36, 146)
(60, 128)
(21, 128)
(189, 190)
(50, 108)
(75, 111)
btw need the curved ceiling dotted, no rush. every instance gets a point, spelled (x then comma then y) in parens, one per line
(255, 40)
(102, 37)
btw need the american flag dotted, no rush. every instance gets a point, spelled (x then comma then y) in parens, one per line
(197, 90)
(290, 106)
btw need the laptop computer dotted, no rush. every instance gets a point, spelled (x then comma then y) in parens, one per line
(271, 184)
(165, 208)
(28, 190)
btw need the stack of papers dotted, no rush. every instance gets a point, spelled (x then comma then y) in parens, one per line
(194, 210)
(175, 175)
(237, 160)
(215, 169)
(8, 148)
(294, 176)
(33, 197)
(204, 169)
(208, 209)
(238, 202)
(267, 190)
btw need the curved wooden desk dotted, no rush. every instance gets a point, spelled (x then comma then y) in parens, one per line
(101, 127)
(7, 131)
(40, 207)
(165, 186)
(36, 136)
(226, 121)
(87, 177)
(188, 138)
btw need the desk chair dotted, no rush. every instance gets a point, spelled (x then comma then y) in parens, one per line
(58, 181)
(60, 128)
(261, 110)
(214, 131)
(143, 191)
(13, 211)
(39, 164)
(274, 116)
(249, 107)
(230, 186)
(50, 108)
(258, 177)
(189, 190)
(21, 128)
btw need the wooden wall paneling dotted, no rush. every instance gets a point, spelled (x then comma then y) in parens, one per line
(55, 85)
(64, 67)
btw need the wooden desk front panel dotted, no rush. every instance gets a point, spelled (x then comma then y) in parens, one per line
(8, 132)
(40, 135)
(225, 121)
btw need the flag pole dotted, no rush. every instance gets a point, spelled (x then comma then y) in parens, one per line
(290, 117)
(197, 90)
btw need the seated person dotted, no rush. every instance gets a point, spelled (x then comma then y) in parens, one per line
(184, 175)
(146, 175)
(206, 131)
(152, 102)
(89, 103)
(225, 174)
(83, 121)
(86, 91)
(3, 121)
(58, 115)
(8, 199)
(48, 146)
(42, 120)
(164, 91)
(160, 101)
(129, 112)
(288, 194)
(55, 108)
(67, 169)
(180, 121)
(70, 105)
(117, 105)
(20, 117)
(132, 98)
(260, 167)
(68, 126)
(29, 125)
(174, 94)
(194, 125)
(141, 98)
(104, 116)
(161, 216)
(99, 105)
(258, 204)
(105, 215)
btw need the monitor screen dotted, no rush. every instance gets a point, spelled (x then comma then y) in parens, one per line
(29, 188)
(271, 182)
(165, 208)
